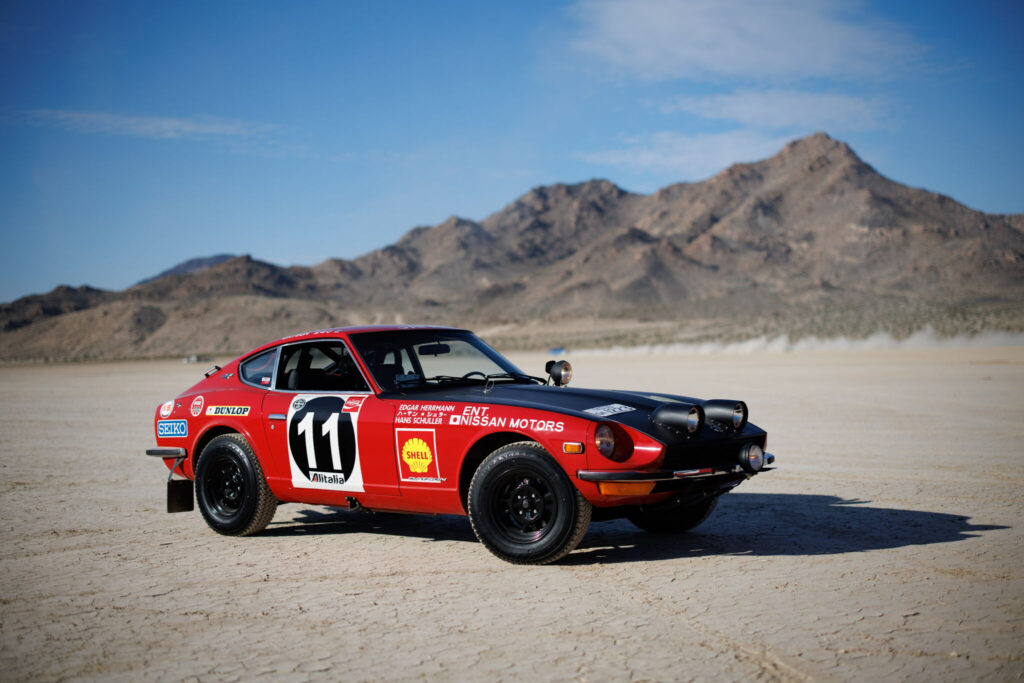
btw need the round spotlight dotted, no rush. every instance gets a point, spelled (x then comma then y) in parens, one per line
(561, 373)
(752, 457)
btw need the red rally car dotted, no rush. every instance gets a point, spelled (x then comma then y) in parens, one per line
(433, 420)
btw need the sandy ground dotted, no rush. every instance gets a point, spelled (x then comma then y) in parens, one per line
(888, 544)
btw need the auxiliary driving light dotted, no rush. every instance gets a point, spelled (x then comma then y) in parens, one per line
(560, 372)
(693, 419)
(679, 416)
(752, 457)
(726, 414)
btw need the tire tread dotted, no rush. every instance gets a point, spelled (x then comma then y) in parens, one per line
(583, 509)
(266, 502)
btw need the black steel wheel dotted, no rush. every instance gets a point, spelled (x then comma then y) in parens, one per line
(523, 507)
(672, 516)
(232, 493)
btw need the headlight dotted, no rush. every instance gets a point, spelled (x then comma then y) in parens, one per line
(752, 457)
(604, 439)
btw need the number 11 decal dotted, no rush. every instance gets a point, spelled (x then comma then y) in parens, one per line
(330, 429)
(322, 444)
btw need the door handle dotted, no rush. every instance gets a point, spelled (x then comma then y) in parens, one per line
(277, 416)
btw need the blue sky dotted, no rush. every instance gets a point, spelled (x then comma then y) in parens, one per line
(136, 135)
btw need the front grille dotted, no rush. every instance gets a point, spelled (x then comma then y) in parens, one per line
(719, 453)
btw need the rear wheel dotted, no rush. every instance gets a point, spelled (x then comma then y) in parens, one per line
(523, 507)
(230, 488)
(671, 517)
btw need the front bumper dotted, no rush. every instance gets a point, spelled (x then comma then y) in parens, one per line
(665, 475)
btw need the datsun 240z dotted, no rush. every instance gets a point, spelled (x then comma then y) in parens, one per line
(433, 420)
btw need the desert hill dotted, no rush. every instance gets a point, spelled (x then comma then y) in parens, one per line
(191, 266)
(810, 241)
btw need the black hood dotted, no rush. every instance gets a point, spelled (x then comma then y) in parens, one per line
(574, 402)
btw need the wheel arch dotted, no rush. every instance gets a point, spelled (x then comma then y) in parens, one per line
(476, 454)
(208, 436)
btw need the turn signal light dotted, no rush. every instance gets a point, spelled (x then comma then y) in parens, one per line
(625, 488)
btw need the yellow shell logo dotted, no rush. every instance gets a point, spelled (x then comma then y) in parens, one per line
(416, 454)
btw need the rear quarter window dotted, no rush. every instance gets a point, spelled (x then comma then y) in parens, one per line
(259, 370)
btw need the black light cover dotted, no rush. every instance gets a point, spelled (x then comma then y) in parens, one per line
(677, 416)
(720, 413)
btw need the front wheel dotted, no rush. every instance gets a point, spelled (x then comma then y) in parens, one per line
(230, 488)
(671, 517)
(523, 507)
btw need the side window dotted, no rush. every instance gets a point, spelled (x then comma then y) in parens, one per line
(259, 369)
(319, 366)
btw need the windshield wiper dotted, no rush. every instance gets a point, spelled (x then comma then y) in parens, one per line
(409, 381)
(516, 375)
(449, 378)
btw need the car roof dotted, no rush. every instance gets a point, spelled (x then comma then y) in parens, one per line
(345, 331)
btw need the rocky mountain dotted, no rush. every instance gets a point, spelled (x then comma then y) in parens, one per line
(191, 266)
(810, 241)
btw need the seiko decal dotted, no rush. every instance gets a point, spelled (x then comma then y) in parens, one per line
(609, 410)
(323, 443)
(417, 456)
(197, 406)
(171, 429)
(166, 409)
(234, 411)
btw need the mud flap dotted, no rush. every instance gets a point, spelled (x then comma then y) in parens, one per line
(179, 491)
(179, 496)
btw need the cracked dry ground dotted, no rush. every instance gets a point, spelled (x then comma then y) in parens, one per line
(886, 544)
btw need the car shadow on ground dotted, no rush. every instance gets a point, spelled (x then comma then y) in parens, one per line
(780, 524)
(320, 521)
(757, 524)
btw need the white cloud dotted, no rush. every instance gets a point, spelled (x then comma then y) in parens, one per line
(780, 109)
(750, 39)
(688, 157)
(153, 127)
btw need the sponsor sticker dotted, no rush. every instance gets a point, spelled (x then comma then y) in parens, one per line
(265, 380)
(171, 429)
(323, 443)
(609, 410)
(353, 403)
(197, 406)
(423, 413)
(234, 411)
(480, 416)
(417, 455)
(166, 409)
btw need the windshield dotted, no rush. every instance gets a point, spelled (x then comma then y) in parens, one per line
(427, 358)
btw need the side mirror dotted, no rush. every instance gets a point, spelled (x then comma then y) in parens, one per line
(560, 372)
